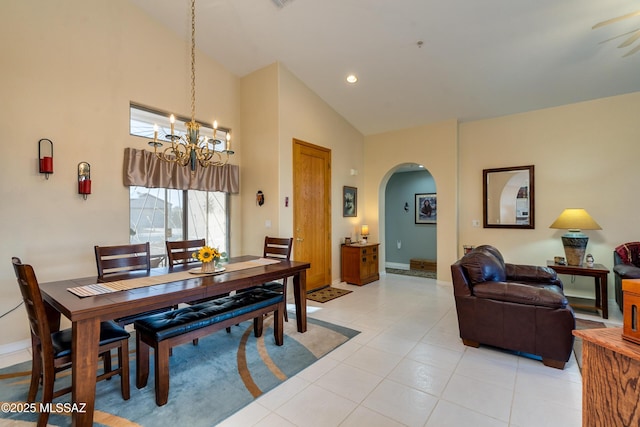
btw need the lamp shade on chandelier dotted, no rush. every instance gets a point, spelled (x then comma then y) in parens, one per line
(192, 149)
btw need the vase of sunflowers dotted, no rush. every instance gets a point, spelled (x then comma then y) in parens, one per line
(209, 258)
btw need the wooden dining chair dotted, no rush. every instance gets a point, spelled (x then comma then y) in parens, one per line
(51, 348)
(278, 248)
(120, 259)
(114, 260)
(181, 252)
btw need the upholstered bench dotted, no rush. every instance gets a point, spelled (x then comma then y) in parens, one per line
(166, 330)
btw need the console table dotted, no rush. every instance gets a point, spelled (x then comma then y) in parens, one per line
(600, 273)
(360, 263)
(610, 371)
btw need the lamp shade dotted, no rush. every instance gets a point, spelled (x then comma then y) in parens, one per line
(364, 230)
(574, 241)
(575, 219)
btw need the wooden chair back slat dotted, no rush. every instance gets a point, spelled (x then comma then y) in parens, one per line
(122, 258)
(278, 247)
(181, 252)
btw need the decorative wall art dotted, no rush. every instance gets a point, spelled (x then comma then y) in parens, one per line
(349, 201)
(426, 208)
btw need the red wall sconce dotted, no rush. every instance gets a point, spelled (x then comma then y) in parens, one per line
(46, 162)
(84, 179)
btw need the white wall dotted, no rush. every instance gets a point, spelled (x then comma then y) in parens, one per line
(585, 155)
(69, 70)
(434, 146)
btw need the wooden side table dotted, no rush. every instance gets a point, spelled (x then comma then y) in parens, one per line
(600, 273)
(610, 371)
(360, 263)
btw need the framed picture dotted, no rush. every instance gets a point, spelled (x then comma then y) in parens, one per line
(426, 208)
(349, 201)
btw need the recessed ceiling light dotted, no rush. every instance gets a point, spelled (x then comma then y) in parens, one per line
(351, 78)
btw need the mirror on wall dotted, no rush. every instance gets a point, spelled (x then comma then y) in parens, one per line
(508, 197)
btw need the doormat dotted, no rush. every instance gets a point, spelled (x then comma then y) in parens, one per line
(327, 294)
(414, 273)
(577, 342)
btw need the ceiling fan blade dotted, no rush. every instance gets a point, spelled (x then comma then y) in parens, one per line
(612, 20)
(632, 51)
(631, 39)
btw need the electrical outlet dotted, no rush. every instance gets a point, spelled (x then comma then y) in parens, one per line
(475, 222)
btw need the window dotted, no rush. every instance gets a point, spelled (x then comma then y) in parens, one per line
(160, 214)
(143, 121)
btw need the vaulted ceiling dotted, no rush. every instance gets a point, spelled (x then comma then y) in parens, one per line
(423, 61)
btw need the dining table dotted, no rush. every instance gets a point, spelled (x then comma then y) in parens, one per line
(86, 313)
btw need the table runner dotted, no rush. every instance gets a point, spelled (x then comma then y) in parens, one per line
(141, 282)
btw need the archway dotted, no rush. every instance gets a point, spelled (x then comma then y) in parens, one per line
(408, 230)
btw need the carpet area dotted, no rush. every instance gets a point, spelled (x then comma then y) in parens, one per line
(414, 273)
(327, 293)
(577, 342)
(208, 382)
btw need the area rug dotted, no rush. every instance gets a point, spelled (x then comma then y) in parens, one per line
(208, 382)
(414, 273)
(577, 342)
(327, 293)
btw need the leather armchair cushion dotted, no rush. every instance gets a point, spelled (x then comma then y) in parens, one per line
(530, 272)
(547, 296)
(483, 267)
(627, 271)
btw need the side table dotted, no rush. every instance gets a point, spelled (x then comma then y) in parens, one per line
(599, 272)
(360, 263)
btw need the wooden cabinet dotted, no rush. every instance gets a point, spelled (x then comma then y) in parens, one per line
(360, 263)
(610, 372)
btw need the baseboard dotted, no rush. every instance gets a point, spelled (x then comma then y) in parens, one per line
(15, 347)
(398, 265)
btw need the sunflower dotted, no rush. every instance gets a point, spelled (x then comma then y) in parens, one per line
(207, 254)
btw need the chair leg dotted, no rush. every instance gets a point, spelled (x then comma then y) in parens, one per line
(48, 378)
(142, 362)
(470, 343)
(284, 295)
(36, 375)
(106, 362)
(257, 326)
(553, 363)
(123, 364)
(278, 325)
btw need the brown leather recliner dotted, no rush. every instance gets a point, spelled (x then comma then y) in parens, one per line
(515, 307)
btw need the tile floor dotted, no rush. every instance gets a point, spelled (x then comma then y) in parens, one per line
(408, 367)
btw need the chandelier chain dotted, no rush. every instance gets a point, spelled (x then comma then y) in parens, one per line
(193, 60)
(191, 148)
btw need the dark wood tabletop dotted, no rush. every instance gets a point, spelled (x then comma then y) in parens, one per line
(87, 313)
(599, 272)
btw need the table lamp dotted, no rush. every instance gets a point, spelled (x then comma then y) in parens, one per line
(364, 232)
(574, 241)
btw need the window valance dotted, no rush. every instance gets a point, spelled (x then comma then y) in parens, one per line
(142, 168)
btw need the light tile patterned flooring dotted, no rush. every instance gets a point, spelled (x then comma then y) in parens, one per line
(408, 367)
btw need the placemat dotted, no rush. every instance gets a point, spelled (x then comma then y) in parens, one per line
(141, 282)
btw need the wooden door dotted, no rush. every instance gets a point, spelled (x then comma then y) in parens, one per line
(312, 211)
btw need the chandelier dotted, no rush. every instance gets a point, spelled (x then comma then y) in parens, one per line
(191, 148)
